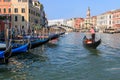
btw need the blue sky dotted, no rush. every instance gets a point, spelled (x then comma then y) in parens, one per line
(65, 9)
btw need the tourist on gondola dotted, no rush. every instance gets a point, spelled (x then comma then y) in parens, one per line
(92, 31)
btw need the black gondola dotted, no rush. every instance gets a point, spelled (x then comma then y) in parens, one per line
(88, 43)
(37, 43)
(54, 36)
(5, 54)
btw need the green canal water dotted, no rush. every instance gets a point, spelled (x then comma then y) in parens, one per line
(67, 60)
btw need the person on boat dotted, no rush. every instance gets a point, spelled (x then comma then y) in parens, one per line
(92, 31)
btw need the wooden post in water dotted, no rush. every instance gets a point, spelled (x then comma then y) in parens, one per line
(6, 32)
(43, 32)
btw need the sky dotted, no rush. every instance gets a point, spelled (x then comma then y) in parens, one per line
(65, 9)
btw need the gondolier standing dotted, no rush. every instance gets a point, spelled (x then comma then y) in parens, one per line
(92, 31)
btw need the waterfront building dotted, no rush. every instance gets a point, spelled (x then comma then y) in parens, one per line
(104, 20)
(5, 9)
(78, 24)
(24, 13)
(116, 19)
(94, 20)
(70, 22)
(19, 14)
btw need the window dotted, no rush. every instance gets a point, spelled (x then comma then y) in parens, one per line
(23, 10)
(19, 0)
(24, 0)
(34, 12)
(110, 22)
(9, 18)
(7, 0)
(4, 10)
(30, 1)
(0, 10)
(16, 18)
(23, 19)
(110, 16)
(9, 10)
(29, 19)
(29, 11)
(16, 10)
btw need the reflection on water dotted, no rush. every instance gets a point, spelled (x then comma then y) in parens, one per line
(96, 52)
(67, 60)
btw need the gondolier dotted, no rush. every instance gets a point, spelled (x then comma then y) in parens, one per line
(92, 31)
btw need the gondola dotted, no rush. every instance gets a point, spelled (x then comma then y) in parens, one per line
(20, 48)
(89, 44)
(37, 43)
(62, 33)
(5, 54)
(54, 36)
(16, 48)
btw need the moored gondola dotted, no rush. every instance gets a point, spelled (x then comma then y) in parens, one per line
(5, 54)
(20, 48)
(16, 47)
(54, 36)
(37, 43)
(90, 44)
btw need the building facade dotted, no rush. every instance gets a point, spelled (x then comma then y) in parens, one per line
(70, 22)
(94, 20)
(104, 21)
(5, 11)
(116, 19)
(19, 14)
(78, 24)
(24, 14)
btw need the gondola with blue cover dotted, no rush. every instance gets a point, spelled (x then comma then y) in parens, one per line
(16, 48)
(20, 48)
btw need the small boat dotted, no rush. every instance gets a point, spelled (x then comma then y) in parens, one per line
(62, 33)
(90, 44)
(54, 36)
(17, 48)
(37, 43)
(20, 48)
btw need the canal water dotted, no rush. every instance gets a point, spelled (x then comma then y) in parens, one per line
(67, 59)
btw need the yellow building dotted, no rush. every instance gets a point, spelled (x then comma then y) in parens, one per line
(25, 14)
(19, 14)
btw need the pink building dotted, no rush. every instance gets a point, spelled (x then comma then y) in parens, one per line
(78, 23)
(5, 9)
(116, 18)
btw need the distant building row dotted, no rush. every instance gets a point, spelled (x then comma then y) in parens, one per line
(27, 14)
(110, 19)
